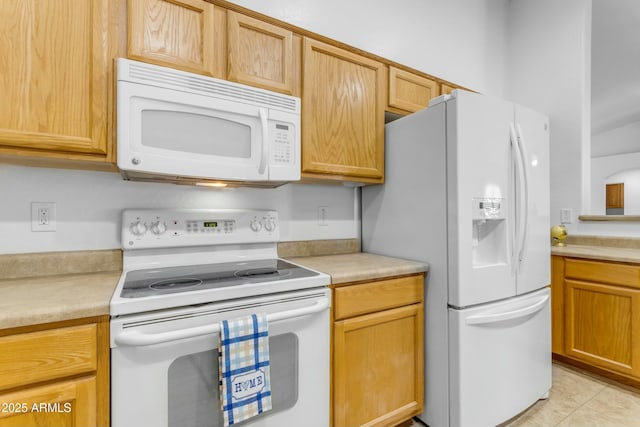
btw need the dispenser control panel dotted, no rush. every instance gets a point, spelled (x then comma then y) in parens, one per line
(489, 208)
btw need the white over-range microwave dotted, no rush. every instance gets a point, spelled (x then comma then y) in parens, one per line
(174, 126)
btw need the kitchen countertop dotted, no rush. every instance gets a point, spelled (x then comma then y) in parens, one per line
(54, 294)
(359, 266)
(606, 253)
(34, 300)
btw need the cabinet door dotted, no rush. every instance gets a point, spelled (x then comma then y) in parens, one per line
(342, 115)
(378, 368)
(263, 55)
(69, 403)
(410, 92)
(53, 83)
(181, 34)
(446, 89)
(602, 324)
(615, 196)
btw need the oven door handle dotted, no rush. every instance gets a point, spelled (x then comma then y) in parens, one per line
(137, 338)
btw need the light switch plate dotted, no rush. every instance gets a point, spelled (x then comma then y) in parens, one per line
(323, 216)
(566, 216)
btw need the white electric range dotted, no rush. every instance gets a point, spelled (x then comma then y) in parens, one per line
(183, 272)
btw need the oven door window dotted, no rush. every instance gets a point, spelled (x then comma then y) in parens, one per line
(193, 391)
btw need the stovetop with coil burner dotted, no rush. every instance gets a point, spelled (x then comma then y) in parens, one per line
(171, 280)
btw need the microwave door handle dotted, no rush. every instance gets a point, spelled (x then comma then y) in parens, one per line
(136, 338)
(265, 140)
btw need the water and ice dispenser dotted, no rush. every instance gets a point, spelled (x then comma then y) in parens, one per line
(489, 240)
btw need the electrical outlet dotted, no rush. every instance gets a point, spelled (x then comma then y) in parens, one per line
(43, 216)
(566, 216)
(323, 216)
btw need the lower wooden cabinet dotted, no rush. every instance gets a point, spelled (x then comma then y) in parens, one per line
(65, 403)
(55, 375)
(596, 317)
(378, 352)
(600, 324)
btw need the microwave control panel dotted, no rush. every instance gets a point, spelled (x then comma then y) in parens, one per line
(150, 228)
(283, 139)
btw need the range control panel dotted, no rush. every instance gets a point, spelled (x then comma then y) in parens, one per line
(163, 228)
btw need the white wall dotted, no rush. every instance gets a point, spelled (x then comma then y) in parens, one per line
(549, 70)
(88, 207)
(631, 180)
(615, 157)
(462, 41)
(623, 139)
(611, 169)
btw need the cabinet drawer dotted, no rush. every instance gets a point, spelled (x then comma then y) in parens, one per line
(45, 355)
(375, 296)
(603, 272)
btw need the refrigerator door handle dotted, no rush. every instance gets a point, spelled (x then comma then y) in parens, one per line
(516, 197)
(482, 319)
(522, 196)
(524, 199)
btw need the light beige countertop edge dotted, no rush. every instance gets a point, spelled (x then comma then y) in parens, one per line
(360, 266)
(36, 300)
(605, 253)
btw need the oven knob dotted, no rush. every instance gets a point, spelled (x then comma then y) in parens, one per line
(270, 225)
(255, 225)
(158, 227)
(138, 228)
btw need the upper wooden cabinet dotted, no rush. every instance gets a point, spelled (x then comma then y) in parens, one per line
(54, 80)
(183, 34)
(58, 102)
(263, 55)
(409, 92)
(446, 89)
(342, 115)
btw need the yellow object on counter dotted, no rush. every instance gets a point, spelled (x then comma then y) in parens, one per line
(558, 235)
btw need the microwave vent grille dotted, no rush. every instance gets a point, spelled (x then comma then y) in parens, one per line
(166, 77)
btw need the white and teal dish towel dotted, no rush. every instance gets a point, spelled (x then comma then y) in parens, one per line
(245, 386)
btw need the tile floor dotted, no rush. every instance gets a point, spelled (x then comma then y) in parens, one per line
(580, 399)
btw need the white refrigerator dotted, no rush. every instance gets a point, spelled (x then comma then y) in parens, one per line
(467, 191)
